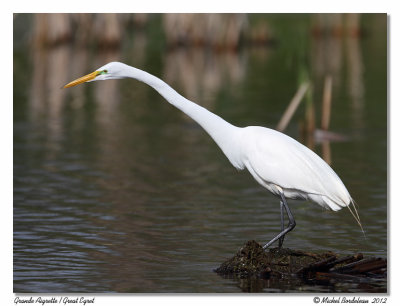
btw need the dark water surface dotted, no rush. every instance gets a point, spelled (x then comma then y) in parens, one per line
(117, 191)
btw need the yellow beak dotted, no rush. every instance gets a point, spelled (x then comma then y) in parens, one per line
(83, 79)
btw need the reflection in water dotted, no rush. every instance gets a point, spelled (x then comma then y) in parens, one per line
(332, 34)
(326, 47)
(218, 31)
(116, 191)
(355, 81)
(202, 73)
(291, 285)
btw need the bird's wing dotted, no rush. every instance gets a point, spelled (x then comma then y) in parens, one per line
(280, 160)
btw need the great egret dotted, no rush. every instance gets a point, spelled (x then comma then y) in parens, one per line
(276, 161)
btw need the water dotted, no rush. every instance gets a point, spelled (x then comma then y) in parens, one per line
(117, 191)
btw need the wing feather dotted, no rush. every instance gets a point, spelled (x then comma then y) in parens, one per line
(280, 160)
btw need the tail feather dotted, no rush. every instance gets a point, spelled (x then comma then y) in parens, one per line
(351, 207)
(337, 205)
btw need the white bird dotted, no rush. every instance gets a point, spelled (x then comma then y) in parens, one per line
(277, 162)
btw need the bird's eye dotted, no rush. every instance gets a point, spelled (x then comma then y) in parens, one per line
(103, 71)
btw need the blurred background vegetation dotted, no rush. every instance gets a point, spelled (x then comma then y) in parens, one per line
(198, 53)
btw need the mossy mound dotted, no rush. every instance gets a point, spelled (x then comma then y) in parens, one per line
(285, 269)
(253, 261)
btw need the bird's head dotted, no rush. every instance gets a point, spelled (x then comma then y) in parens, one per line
(113, 70)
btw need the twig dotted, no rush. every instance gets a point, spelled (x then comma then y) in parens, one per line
(292, 107)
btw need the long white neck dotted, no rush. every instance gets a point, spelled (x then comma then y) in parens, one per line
(224, 134)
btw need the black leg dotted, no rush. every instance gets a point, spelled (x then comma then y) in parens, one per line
(291, 225)
(282, 224)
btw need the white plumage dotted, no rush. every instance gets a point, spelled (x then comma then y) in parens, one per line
(279, 163)
(275, 159)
